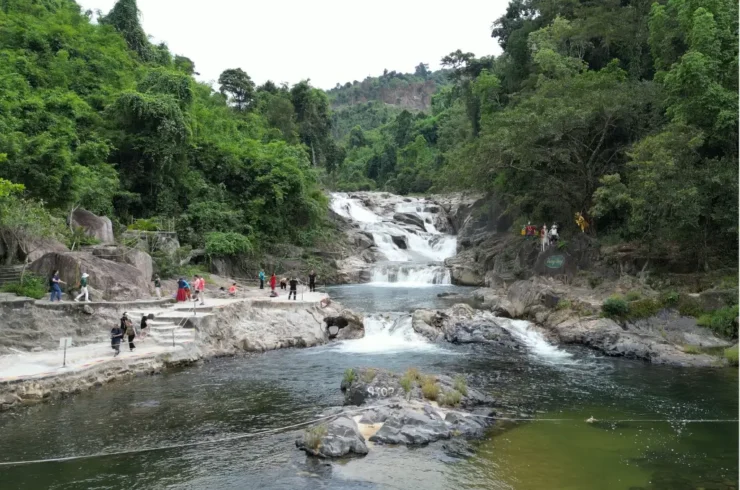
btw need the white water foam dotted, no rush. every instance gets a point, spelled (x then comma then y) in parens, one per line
(408, 275)
(387, 334)
(536, 342)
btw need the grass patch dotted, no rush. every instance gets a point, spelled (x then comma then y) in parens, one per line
(731, 355)
(313, 436)
(31, 286)
(369, 375)
(691, 349)
(615, 307)
(633, 296)
(430, 388)
(643, 308)
(413, 374)
(688, 306)
(349, 376)
(721, 321)
(563, 304)
(406, 383)
(460, 385)
(450, 398)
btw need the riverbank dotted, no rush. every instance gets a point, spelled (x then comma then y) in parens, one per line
(179, 334)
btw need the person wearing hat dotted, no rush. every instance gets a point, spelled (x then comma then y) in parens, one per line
(83, 288)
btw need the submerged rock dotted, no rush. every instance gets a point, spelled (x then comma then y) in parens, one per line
(338, 438)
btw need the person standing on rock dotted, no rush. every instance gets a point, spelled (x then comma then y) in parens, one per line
(554, 234)
(158, 286)
(54, 285)
(143, 326)
(116, 334)
(130, 333)
(83, 288)
(200, 286)
(544, 238)
(182, 295)
(293, 288)
(273, 282)
(312, 281)
(283, 283)
(262, 279)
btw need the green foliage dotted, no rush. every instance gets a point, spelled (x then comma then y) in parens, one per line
(143, 224)
(563, 304)
(413, 374)
(368, 375)
(670, 298)
(691, 349)
(430, 388)
(632, 296)
(349, 376)
(615, 307)
(460, 385)
(30, 286)
(450, 398)
(406, 383)
(722, 321)
(79, 238)
(643, 308)
(314, 435)
(227, 243)
(688, 306)
(731, 354)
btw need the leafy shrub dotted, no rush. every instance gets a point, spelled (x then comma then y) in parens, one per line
(595, 281)
(563, 304)
(79, 238)
(731, 355)
(313, 436)
(430, 389)
(691, 349)
(349, 376)
(227, 243)
(450, 398)
(406, 383)
(369, 375)
(669, 298)
(721, 321)
(643, 308)
(688, 306)
(31, 286)
(562, 244)
(143, 224)
(633, 296)
(460, 384)
(615, 307)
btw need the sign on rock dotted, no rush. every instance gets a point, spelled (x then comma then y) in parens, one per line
(555, 262)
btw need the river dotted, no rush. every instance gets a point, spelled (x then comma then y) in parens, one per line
(251, 393)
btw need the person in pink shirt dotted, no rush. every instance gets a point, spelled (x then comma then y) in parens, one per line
(200, 286)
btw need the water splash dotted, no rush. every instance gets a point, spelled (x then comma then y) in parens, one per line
(409, 275)
(387, 334)
(536, 343)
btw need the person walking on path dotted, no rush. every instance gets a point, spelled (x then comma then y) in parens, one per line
(312, 281)
(83, 288)
(200, 286)
(158, 286)
(143, 326)
(116, 334)
(130, 333)
(262, 279)
(54, 285)
(182, 295)
(293, 288)
(232, 289)
(283, 283)
(273, 282)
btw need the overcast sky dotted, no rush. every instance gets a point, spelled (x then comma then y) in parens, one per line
(328, 41)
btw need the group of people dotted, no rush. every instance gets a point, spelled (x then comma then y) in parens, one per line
(286, 282)
(189, 292)
(546, 237)
(127, 329)
(55, 287)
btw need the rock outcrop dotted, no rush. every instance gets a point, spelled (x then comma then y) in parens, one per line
(461, 324)
(125, 255)
(410, 219)
(99, 227)
(345, 326)
(337, 438)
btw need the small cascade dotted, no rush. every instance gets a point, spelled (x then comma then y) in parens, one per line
(418, 253)
(387, 334)
(536, 342)
(403, 275)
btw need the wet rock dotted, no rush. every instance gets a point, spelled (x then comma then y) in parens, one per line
(349, 325)
(337, 438)
(375, 416)
(410, 219)
(400, 241)
(463, 270)
(412, 428)
(458, 448)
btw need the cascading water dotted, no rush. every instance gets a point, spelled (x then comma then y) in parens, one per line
(536, 342)
(405, 234)
(387, 333)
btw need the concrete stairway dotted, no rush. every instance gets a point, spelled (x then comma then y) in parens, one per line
(10, 273)
(167, 328)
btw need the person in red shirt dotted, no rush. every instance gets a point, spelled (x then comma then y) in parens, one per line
(273, 282)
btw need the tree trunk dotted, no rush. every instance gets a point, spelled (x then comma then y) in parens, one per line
(313, 155)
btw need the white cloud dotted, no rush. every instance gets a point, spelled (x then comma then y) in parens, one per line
(328, 41)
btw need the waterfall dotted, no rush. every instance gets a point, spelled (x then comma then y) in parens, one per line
(387, 334)
(536, 342)
(405, 234)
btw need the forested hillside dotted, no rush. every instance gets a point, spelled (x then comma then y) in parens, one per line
(93, 115)
(625, 111)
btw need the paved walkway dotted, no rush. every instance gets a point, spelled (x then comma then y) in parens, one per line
(165, 334)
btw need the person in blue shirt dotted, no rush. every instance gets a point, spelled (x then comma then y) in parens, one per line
(54, 285)
(262, 279)
(116, 334)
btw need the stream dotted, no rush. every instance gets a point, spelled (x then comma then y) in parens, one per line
(250, 393)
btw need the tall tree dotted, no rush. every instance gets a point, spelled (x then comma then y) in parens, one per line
(238, 85)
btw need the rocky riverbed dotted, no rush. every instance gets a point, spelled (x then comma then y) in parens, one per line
(410, 409)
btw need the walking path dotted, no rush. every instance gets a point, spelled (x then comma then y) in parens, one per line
(166, 334)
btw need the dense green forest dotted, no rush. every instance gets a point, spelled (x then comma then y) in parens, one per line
(93, 115)
(625, 111)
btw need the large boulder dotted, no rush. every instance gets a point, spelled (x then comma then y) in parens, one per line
(463, 269)
(99, 227)
(410, 219)
(108, 280)
(347, 325)
(337, 438)
(124, 255)
(412, 428)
